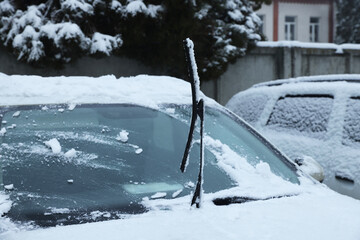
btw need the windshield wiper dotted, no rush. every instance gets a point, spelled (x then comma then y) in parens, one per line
(237, 199)
(197, 111)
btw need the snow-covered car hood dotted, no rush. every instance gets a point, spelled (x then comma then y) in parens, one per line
(317, 213)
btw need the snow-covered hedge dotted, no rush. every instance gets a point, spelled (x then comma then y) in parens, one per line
(150, 30)
(57, 29)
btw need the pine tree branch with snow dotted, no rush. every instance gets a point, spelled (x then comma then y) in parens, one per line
(348, 21)
(58, 31)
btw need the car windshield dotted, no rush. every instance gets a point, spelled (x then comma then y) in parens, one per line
(64, 165)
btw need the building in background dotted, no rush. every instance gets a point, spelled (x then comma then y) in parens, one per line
(300, 20)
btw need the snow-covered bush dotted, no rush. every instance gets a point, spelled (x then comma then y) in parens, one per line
(60, 30)
(149, 30)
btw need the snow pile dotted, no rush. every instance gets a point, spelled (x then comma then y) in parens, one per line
(71, 106)
(59, 210)
(71, 153)
(176, 193)
(54, 145)
(158, 195)
(241, 171)
(237, 221)
(142, 89)
(16, 114)
(2, 131)
(9, 187)
(139, 150)
(123, 136)
(5, 205)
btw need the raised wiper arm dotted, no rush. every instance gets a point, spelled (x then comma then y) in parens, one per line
(198, 110)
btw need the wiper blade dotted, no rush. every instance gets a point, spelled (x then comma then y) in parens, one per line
(237, 199)
(198, 109)
(231, 200)
(195, 85)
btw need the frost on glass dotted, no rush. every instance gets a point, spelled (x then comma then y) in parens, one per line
(351, 132)
(249, 107)
(307, 114)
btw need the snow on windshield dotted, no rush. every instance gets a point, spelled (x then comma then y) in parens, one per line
(48, 140)
(306, 114)
(250, 108)
(351, 130)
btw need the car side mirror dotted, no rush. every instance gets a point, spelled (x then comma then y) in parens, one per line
(310, 166)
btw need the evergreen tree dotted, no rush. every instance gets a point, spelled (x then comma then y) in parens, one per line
(348, 21)
(57, 31)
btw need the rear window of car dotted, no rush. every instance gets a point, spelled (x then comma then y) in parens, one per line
(249, 107)
(351, 131)
(305, 114)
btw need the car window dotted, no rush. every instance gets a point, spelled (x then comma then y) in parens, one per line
(351, 130)
(248, 107)
(305, 114)
(97, 162)
(64, 165)
(243, 141)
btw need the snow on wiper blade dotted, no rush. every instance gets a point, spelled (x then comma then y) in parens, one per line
(198, 110)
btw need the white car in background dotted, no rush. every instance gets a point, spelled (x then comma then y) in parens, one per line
(98, 158)
(317, 117)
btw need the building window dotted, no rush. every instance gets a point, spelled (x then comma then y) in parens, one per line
(290, 28)
(314, 29)
(261, 28)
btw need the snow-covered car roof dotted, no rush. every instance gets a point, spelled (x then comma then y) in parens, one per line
(355, 78)
(335, 85)
(305, 211)
(143, 89)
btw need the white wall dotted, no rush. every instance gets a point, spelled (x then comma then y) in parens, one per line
(303, 12)
(266, 63)
(268, 12)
